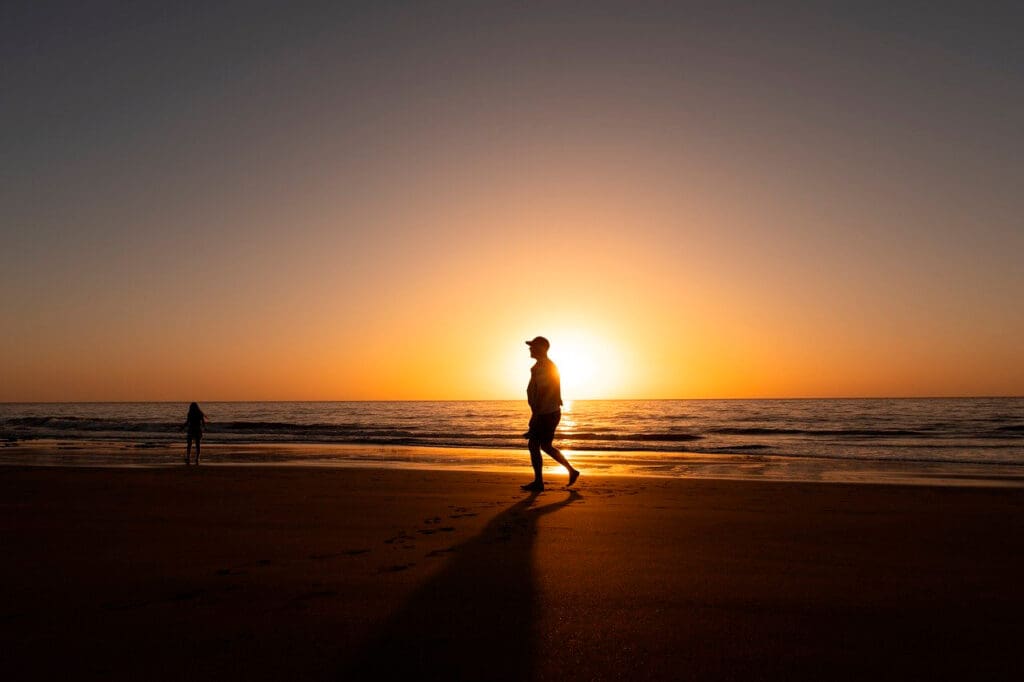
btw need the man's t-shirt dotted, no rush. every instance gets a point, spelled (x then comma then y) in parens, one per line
(544, 392)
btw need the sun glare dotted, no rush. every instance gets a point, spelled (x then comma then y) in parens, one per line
(589, 366)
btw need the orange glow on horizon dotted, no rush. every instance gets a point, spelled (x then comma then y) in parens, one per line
(368, 204)
(649, 285)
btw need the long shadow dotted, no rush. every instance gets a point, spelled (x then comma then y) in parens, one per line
(477, 618)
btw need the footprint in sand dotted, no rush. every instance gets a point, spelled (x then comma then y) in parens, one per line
(395, 568)
(231, 571)
(459, 512)
(440, 552)
(240, 570)
(333, 555)
(431, 531)
(402, 541)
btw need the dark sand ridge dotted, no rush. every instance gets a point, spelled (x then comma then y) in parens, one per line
(270, 573)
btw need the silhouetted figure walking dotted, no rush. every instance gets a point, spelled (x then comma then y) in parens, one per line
(195, 424)
(544, 394)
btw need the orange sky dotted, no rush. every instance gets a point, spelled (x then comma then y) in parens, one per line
(385, 207)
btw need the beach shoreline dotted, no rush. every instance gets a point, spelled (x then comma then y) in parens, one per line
(647, 464)
(325, 573)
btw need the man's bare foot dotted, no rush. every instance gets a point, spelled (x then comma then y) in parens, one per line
(536, 486)
(573, 475)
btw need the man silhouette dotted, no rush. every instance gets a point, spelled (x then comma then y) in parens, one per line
(544, 394)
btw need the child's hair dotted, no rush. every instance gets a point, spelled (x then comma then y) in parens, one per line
(194, 412)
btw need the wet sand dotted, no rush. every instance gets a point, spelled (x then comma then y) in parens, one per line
(292, 572)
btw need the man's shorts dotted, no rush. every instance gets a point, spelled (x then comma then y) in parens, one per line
(542, 427)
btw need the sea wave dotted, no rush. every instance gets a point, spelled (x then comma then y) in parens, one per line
(782, 431)
(980, 430)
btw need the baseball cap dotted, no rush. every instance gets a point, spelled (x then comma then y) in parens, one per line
(539, 341)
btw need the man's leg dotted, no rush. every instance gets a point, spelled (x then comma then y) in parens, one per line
(557, 455)
(538, 466)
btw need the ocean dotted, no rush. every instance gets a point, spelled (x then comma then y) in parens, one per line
(977, 437)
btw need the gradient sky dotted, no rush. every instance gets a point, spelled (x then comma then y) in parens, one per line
(270, 200)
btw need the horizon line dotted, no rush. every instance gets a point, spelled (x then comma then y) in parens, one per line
(480, 400)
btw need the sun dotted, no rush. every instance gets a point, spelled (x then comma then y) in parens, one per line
(589, 365)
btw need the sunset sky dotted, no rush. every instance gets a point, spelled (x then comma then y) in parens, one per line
(311, 201)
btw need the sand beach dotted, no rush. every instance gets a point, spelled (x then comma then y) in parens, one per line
(753, 268)
(319, 573)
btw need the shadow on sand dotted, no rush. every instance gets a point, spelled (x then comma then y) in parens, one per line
(477, 618)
